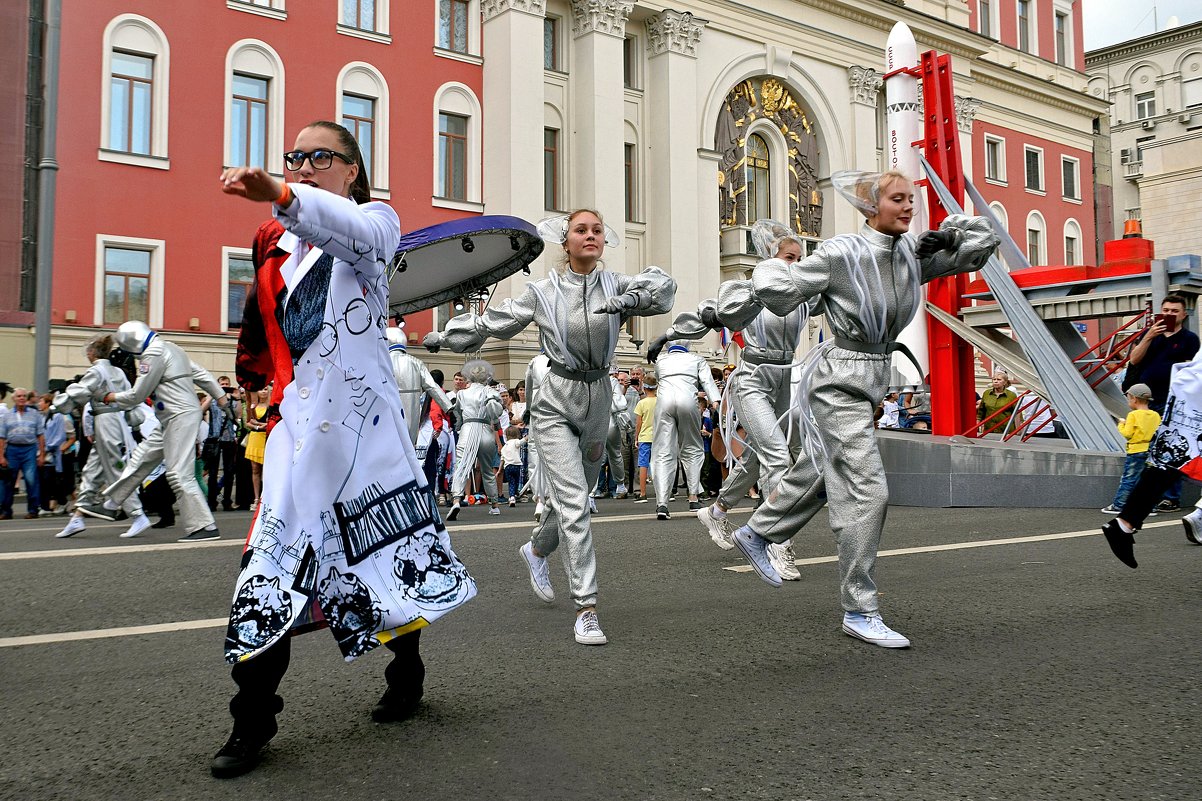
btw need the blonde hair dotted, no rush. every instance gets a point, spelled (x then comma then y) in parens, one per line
(870, 192)
(562, 261)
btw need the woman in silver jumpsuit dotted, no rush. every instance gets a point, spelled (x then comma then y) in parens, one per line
(870, 286)
(579, 312)
(758, 396)
(479, 408)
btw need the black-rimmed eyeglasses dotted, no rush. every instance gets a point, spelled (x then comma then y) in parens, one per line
(321, 159)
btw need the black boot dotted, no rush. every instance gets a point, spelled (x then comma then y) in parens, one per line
(242, 751)
(406, 674)
(1120, 542)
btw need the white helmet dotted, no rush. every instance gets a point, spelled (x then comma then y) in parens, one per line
(133, 336)
(396, 336)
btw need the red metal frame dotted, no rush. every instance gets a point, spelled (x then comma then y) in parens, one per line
(953, 395)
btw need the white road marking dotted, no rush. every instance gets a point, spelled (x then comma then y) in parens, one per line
(959, 546)
(125, 631)
(240, 540)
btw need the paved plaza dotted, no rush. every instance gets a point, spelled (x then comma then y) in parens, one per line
(1041, 669)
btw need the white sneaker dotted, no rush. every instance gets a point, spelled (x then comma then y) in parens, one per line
(621, 492)
(588, 630)
(1192, 523)
(140, 524)
(540, 578)
(454, 512)
(538, 512)
(871, 629)
(74, 526)
(784, 560)
(513, 501)
(592, 506)
(493, 510)
(755, 549)
(720, 528)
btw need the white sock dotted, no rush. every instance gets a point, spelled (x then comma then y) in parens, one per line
(718, 512)
(211, 527)
(1125, 526)
(108, 504)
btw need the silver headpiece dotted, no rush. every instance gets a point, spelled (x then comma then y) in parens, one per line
(555, 231)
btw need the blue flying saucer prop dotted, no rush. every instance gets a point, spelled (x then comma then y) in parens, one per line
(457, 259)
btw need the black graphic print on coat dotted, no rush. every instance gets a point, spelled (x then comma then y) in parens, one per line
(301, 319)
(261, 611)
(426, 573)
(351, 610)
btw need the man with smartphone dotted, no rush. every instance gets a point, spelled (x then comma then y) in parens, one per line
(1166, 342)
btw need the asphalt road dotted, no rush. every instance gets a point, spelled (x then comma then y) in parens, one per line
(1041, 669)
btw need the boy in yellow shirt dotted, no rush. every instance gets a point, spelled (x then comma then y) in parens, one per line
(644, 417)
(1138, 428)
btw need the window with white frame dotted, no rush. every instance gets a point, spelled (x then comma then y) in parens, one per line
(1145, 105)
(1191, 93)
(1033, 168)
(1036, 237)
(129, 280)
(1026, 21)
(365, 19)
(1073, 252)
(1061, 38)
(134, 95)
(363, 110)
(1065, 37)
(1070, 178)
(551, 175)
(1003, 218)
(1140, 144)
(452, 25)
(630, 63)
(995, 158)
(456, 141)
(276, 9)
(551, 56)
(629, 150)
(987, 18)
(254, 107)
(239, 274)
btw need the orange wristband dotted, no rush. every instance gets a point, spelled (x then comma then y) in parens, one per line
(285, 197)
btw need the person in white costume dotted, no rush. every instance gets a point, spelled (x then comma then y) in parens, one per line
(478, 407)
(579, 312)
(347, 533)
(165, 376)
(677, 433)
(615, 441)
(870, 286)
(112, 443)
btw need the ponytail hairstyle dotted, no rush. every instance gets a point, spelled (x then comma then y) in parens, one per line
(361, 188)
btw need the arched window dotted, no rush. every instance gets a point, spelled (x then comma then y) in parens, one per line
(254, 106)
(1074, 250)
(363, 110)
(999, 211)
(1036, 239)
(759, 187)
(456, 138)
(133, 115)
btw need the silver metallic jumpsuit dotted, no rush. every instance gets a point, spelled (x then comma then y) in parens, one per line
(615, 439)
(479, 413)
(758, 393)
(572, 406)
(677, 428)
(110, 432)
(166, 375)
(413, 380)
(870, 286)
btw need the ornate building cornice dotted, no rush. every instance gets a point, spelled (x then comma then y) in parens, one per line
(493, 8)
(966, 112)
(865, 85)
(600, 16)
(674, 32)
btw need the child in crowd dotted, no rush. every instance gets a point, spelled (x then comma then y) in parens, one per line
(1138, 428)
(644, 417)
(511, 461)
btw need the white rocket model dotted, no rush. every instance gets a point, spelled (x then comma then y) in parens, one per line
(903, 118)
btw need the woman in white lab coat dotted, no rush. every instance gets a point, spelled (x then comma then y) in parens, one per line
(346, 533)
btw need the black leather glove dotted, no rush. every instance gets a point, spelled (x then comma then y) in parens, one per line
(709, 317)
(931, 242)
(655, 347)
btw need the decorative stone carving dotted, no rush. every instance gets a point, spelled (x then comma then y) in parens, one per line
(966, 112)
(600, 16)
(493, 8)
(865, 85)
(770, 100)
(674, 32)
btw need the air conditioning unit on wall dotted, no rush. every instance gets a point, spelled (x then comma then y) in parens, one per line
(1148, 125)
(1184, 117)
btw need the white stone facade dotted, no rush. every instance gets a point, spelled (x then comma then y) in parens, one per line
(1154, 85)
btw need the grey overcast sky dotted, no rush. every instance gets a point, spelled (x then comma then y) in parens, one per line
(1109, 22)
